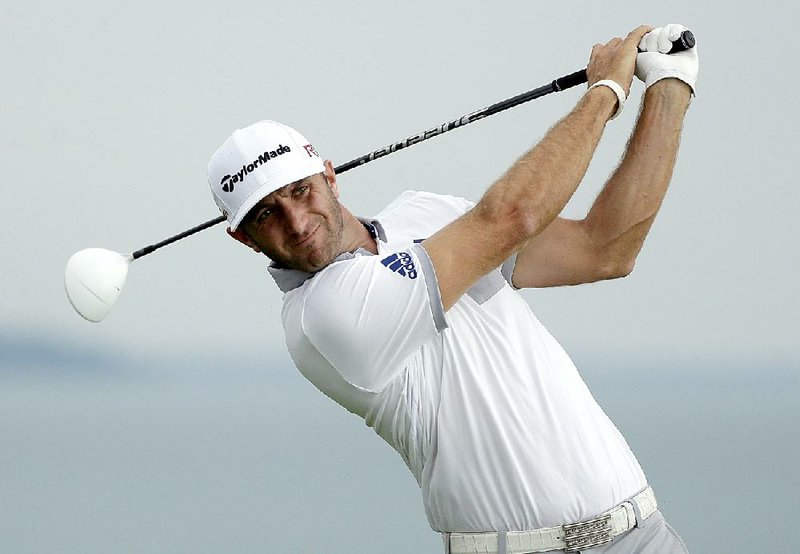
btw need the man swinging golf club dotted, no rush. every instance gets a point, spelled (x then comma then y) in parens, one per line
(412, 321)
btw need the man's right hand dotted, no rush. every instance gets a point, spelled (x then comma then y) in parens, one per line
(616, 60)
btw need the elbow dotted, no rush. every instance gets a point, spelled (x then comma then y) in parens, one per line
(528, 218)
(520, 216)
(515, 223)
(527, 223)
(625, 269)
(614, 257)
(617, 267)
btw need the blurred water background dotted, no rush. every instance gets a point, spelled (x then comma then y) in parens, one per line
(108, 451)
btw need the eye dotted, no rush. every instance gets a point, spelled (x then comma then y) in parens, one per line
(300, 190)
(262, 215)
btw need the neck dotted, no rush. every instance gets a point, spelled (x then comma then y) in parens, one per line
(355, 235)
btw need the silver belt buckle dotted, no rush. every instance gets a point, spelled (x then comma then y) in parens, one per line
(587, 534)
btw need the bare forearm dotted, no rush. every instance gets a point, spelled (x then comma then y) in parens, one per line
(522, 202)
(530, 195)
(625, 210)
(541, 182)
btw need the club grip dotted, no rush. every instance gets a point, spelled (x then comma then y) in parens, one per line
(571, 80)
(683, 42)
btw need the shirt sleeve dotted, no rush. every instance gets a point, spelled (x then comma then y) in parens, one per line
(368, 315)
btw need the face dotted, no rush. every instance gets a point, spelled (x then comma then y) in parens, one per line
(299, 226)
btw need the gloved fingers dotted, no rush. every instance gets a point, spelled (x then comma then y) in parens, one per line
(673, 31)
(660, 39)
(649, 42)
(664, 43)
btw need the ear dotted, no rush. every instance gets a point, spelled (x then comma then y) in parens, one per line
(330, 176)
(244, 238)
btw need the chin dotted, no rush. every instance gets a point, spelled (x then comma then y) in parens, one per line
(319, 264)
(310, 262)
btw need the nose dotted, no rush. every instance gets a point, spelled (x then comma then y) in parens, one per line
(295, 220)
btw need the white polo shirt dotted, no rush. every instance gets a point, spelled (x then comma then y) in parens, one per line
(484, 406)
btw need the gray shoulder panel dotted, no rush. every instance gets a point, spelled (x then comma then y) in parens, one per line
(492, 282)
(432, 284)
(486, 287)
(507, 269)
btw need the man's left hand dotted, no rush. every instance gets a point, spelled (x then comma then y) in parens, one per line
(653, 64)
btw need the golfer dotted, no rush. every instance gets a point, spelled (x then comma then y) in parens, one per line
(412, 319)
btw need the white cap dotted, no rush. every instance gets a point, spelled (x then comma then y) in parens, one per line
(255, 161)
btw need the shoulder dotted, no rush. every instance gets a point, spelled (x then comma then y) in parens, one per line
(335, 298)
(365, 316)
(415, 202)
(334, 286)
(320, 315)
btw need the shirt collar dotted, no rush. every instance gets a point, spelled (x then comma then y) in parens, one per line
(290, 279)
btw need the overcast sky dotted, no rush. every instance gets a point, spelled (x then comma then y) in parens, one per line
(111, 110)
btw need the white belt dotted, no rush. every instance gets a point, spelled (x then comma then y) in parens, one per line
(572, 537)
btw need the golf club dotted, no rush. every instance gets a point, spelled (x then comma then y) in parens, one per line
(94, 277)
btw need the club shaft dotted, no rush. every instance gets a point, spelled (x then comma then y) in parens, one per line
(685, 41)
(557, 85)
(148, 249)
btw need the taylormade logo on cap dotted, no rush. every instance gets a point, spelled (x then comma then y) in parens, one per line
(229, 181)
(256, 161)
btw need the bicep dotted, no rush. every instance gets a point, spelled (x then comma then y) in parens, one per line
(467, 249)
(564, 253)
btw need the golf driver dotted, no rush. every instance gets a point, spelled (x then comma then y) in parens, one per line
(94, 277)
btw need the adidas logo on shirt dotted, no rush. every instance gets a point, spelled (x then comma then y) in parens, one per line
(402, 264)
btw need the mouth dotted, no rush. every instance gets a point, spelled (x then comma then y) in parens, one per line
(304, 240)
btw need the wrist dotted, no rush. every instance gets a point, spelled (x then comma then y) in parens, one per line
(620, 94)
(603, 100)
(672, 90)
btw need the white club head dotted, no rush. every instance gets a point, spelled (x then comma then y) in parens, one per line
(93, 279)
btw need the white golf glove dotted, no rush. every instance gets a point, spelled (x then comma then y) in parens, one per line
(653, 64)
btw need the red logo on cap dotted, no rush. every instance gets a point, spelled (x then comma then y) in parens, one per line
(310, 150)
